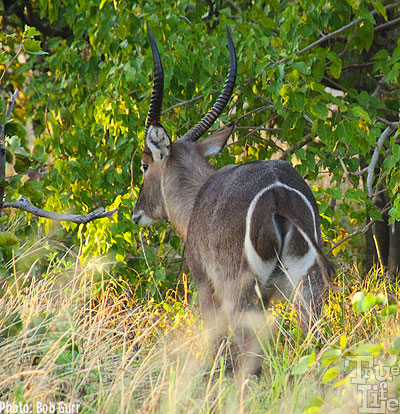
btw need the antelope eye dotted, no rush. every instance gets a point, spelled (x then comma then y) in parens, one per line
(144, 167)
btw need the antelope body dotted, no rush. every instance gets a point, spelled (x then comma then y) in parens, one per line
(243, 225)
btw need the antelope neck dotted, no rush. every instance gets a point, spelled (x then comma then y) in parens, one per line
(184, 175)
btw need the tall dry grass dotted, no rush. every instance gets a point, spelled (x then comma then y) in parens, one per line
(72, 336)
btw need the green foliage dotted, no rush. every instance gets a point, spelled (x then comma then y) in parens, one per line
(75, 143)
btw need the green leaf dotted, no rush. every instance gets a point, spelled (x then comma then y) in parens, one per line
(389, 311)
(357, 300)
(8, 238)
(360, 113)
(22, 163)
(379, 7)
(393, 73)
(366, 34)
(374, 214)
(368, 349)
(329, 356)
(150, 254)
(160, 275)
(120, 258)
(31, 31)
(315, 401)
(344, 132)
(304, 364)
(343, 342)
(368, 302)
(381, 299)
(336, 64)
(302, 68)
(318, 69)
(32, 46)
(41, 52)
(319, 111)
(383, 54)
(335, 192)
(330, 374)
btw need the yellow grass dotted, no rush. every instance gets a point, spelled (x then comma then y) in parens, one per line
(110, 352)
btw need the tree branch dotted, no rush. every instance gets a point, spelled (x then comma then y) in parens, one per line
(363, 230)
(387, 24)
(371, 168)
(258, 128)
(259, 109)
(291, 150)
(197, 98)
(254, 130)
(24, 204)
(394, 125)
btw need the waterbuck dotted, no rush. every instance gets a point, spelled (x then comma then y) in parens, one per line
(252, 231)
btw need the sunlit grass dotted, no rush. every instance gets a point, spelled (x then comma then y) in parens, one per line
(72, 337)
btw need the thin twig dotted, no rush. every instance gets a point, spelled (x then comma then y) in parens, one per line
(346, 172)
(387, 24)
(259, 128)
(307, 48)
(359, 173)
(263, 98)
(184, 18)
(246, 136)
(394, 125)
(253, 132)
(291, 150)
(12, 61)
(308, 119)
(24, 204)
(197, 98)
(259, 109)
(357, 65)
(363, 230)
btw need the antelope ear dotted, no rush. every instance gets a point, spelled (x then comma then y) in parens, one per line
(214, 143)
(158, 142)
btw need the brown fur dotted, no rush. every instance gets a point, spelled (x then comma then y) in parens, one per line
(208, 209)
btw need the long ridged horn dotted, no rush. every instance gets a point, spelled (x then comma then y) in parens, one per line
(154, 115)
(211, 116)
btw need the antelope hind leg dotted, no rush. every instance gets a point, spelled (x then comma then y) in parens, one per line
(248, 324)
(309, 298)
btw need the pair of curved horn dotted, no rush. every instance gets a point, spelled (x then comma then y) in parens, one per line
(154, 115)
